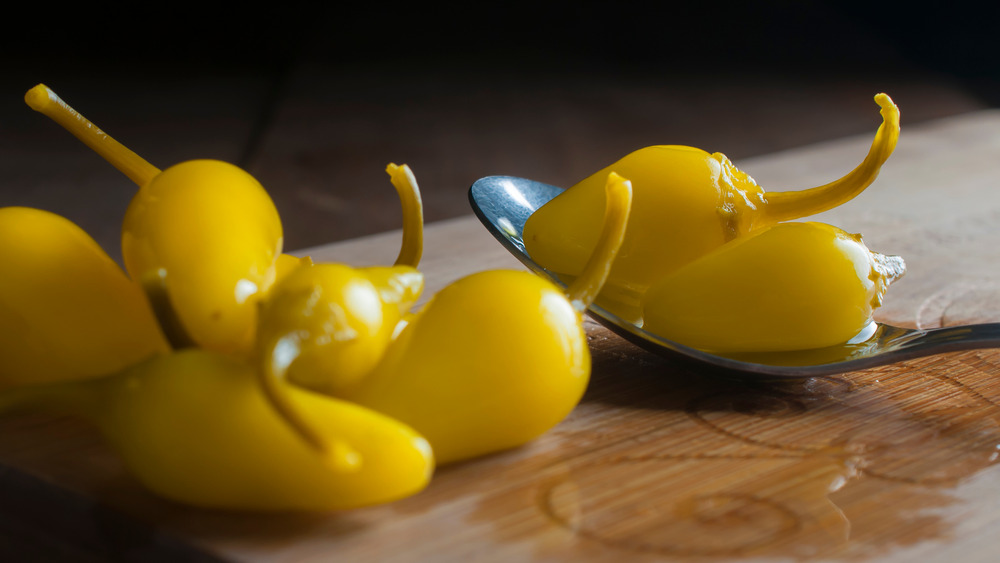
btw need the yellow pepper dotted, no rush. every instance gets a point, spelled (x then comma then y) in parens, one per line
(193, 426)
(792, 286)
(326, 326)
(497, 358)
(67, 311)
(204, 230)
(209, 232)
(687, 203)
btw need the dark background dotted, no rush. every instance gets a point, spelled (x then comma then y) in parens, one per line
(788, 36)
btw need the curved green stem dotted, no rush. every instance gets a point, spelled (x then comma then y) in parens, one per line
(45, 101)
(785, 206)
(412, 248)
(268, 372)
(588, 284)
(154, 284)
(337, 454)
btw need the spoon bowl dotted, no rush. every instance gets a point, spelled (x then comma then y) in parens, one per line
(504, 203)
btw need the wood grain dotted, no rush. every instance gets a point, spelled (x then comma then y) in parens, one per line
(659, 461)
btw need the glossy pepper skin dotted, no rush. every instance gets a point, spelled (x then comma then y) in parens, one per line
(497, 358)
(491, 362)
(194, 427)
(792, 286)
(209, 232)
(67, 311)
(202, 232)
(326, 326)
(687, 203)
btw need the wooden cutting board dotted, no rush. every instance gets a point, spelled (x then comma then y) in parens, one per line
(659, 461)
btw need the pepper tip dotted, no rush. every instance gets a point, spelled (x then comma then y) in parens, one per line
(885, 102)
(38, 97)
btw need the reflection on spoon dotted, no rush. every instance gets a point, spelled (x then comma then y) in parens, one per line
(504, 203)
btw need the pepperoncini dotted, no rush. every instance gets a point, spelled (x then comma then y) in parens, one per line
(211, 232)
(497, 358)
(205, 230)
(791, 286)
(67, 311)
(326, 326)
(687, 203)
(194, 427)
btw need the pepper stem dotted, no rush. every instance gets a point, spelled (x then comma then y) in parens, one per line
(785, 206)
(154, 285)
(337, 454)
(588, 284)
(45, 101)
(413, 214)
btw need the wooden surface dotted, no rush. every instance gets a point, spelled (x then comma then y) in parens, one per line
(658, 462)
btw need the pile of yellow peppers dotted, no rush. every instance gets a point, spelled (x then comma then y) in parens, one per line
(712, 261)
(230, 375)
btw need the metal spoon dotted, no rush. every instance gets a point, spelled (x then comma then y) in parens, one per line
(504, 203)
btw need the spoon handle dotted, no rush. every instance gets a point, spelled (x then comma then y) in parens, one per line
(948, 339)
